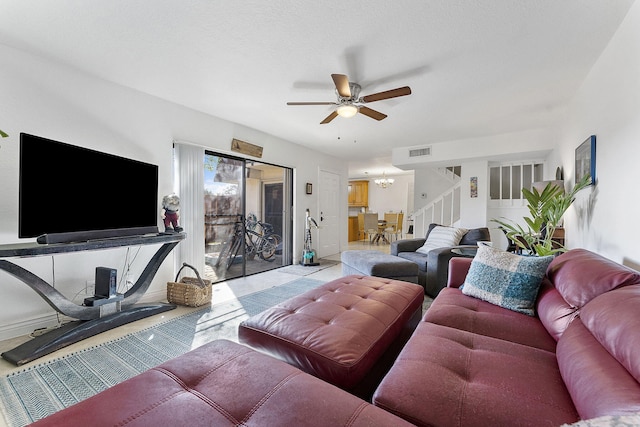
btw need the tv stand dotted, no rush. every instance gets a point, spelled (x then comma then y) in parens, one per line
(91, 320)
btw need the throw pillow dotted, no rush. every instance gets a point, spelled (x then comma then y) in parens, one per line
(442, 237)
(508, 280)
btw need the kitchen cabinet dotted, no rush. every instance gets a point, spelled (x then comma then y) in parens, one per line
(353, 228)
(358, 194)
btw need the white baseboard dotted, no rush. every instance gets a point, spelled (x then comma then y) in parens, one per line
(27, 326)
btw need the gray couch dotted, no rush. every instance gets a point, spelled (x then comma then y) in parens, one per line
(433, 267)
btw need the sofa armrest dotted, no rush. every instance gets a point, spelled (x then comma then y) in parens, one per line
(438, 268)
(406, 245)
(458, 269)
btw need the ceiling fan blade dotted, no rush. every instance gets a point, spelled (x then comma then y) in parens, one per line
(372, 113)
(393, 93)
(311, 103)
(329, 118)
(342, 85)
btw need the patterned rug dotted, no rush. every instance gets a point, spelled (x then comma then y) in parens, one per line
(305, 270)
(41, 390)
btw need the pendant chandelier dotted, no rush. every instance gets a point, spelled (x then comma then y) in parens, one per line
(384, 182)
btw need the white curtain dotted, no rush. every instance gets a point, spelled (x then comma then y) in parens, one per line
(189, 186)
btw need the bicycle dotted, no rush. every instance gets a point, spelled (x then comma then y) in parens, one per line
(258, 237)
(266, 241)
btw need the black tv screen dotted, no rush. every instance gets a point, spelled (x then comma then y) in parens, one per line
(78, 194)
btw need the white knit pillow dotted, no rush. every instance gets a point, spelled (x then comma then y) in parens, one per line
(442, 237)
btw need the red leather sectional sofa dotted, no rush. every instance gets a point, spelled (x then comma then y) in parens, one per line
(468, 363)
(471, 363)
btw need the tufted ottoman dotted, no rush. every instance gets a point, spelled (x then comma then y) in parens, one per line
(346, 332)
(222, 384)
(376, 263)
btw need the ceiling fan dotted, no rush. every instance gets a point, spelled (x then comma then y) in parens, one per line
(350, 103)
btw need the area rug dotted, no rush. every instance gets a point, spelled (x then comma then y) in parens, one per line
(41, 390)
(305, 270)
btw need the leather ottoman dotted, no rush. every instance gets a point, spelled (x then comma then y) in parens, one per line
(222, 384)
(376, 263)
(346, 332)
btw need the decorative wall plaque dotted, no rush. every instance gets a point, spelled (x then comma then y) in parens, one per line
(246, 148)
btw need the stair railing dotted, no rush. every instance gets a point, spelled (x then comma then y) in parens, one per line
(444, 209)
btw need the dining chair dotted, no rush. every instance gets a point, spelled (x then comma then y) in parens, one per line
(391, 220)
(371, 225)
(394, 224)
(399, 225)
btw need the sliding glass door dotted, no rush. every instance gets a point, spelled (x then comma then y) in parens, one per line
(247, 216)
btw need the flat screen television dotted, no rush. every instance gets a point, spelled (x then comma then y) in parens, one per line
(72, 194)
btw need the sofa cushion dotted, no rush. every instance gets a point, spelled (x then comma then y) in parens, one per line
(553, 311)
(376, 263)
(505, 279)
(442, 237)
(602, 317)
(418, 258)
(448, 377)
(454, 309)
(476, 235)
(598, 355)
(581, 275)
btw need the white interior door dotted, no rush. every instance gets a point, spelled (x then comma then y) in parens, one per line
(328, 214)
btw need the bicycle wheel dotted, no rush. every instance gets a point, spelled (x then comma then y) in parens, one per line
(249, 248)
(268, 246)
(235, 247)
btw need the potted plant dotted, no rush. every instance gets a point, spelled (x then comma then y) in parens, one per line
(546, 209)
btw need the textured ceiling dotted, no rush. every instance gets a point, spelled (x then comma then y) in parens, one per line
(476, 68)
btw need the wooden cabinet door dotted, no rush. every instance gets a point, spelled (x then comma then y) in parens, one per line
(352, 194)
(359, 193)
(353, 228)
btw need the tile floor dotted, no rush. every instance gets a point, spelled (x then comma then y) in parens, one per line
(221, 291)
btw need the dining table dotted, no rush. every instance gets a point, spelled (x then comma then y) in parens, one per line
(380, 233)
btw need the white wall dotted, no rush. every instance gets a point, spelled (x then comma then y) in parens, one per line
(473, 211)
(390, 199)
(429, 185)
(473, 155)
(604, 219)
(532, 143)
(57, 102)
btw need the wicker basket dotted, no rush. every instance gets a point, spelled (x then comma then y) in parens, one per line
(190, 291)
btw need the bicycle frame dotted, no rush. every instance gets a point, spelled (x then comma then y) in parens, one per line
(263, 243)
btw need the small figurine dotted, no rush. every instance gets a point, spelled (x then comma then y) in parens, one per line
(169, 213)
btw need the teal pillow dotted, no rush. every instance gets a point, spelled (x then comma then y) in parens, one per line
(508, 280)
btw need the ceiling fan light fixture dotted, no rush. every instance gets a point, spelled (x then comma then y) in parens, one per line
(347, 110)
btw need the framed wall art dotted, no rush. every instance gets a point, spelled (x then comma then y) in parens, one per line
(586, 160)
(473, 186)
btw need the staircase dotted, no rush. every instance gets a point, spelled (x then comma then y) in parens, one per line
(451, 173)
(445, 210)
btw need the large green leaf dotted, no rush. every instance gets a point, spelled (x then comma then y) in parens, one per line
(546, 209)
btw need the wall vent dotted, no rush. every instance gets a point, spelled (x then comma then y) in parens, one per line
(418, 152)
